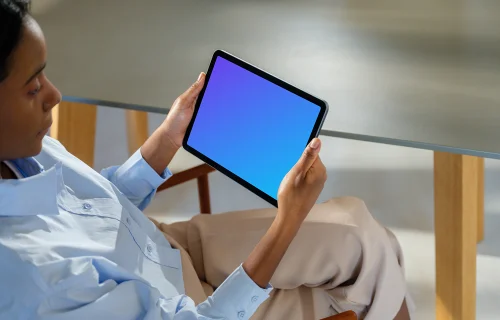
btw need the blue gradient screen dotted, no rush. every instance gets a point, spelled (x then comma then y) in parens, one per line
(251, 126)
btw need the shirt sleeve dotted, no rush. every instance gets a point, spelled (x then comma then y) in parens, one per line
(136, 179)
(237, 298)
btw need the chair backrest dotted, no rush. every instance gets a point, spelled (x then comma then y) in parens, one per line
(348, 315)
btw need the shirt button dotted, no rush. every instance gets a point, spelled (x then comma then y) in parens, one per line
(149, 248)
(254, 299)
(127, 220)
(87, 206)
(241, 314)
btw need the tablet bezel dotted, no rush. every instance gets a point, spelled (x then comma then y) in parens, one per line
(314, 133)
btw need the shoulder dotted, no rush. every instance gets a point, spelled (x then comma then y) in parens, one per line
(53, 152)
(50, 144)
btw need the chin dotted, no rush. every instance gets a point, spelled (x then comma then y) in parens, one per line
(37, 149)
(34, 150)
(30, 148)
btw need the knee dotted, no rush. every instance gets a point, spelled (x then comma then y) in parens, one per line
(371, 232)
(353, 207)
(396, 246)
(354, 212)
(347, 202)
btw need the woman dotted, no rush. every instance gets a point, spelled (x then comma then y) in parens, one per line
(74, 244)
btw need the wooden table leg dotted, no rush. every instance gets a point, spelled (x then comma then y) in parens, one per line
(74, 125)
(480, 200)
(456, 179)
(137, 129)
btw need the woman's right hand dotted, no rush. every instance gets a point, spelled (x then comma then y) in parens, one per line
(301, 187)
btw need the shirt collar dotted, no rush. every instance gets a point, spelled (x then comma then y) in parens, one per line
(37, 194)
(28, 166)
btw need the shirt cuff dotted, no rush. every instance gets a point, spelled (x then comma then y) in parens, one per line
(238, 297)
(138, 176)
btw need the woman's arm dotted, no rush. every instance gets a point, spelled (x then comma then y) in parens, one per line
(146, 170)
(297, 194)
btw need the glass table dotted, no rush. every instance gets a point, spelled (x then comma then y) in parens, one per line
(422, 74)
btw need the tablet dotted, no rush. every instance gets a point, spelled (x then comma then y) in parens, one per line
(250, 125)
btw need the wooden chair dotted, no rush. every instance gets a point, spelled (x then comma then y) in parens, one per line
(348, 315)
(184, 166)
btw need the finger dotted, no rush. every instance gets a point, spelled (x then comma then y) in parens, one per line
(192, 93)
(318, 164)
(318, 170)
(309, 156)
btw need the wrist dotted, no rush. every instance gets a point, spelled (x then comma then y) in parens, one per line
(287, 222)
(165, 140)
(158, 151)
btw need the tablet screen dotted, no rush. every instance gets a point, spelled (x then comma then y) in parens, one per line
(250, 126)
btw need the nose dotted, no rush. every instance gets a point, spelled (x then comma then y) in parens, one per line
(52, 98)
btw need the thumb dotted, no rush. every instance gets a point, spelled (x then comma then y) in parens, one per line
(309, 156)
(193, 91)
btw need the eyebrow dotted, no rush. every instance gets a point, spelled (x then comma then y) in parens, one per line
(37, 72)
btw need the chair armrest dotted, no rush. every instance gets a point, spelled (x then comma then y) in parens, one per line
(186, 175)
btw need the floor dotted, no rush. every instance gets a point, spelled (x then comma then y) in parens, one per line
(396, 183)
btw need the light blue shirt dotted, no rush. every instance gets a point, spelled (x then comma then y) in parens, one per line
(74, 244)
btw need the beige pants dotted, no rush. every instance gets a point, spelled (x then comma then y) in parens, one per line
(341, 259)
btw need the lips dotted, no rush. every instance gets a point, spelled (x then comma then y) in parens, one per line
(46, 130)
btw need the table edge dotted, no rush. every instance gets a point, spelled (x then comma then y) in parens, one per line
(410, 144)
(324, 132)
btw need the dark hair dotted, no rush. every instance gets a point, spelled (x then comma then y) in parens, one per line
(12, 14)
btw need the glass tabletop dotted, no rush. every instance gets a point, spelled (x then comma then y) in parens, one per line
(422, 74)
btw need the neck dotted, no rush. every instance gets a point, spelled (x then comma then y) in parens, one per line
(5, 172)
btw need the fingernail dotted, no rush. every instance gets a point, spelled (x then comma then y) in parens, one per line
(200, 76)
(314, 143)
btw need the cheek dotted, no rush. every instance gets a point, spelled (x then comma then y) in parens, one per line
(20, 118)
(20, 121)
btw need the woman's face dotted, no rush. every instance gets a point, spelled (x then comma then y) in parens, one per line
(26, 97)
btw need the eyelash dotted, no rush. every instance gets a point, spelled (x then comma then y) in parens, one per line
(36, 91)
